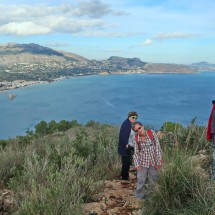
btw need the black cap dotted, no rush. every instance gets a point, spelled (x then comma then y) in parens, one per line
(213, 102)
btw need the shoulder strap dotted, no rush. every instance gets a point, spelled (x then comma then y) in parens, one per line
(150, 134)
(137, 141)
(136, 137)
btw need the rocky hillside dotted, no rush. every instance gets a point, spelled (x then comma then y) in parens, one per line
(167, 68)
(126, 62)
(32, 62)
(13, 53)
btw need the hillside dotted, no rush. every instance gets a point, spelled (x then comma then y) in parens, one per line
(32, 62)
(203, 66)
(167, 68)
(126, 62)
(69, 168)
(13, 53)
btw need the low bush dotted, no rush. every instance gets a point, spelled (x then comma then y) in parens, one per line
(183, 188)
(190, 138)
(55, 174)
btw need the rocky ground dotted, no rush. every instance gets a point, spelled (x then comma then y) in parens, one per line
(117, 198)
(6, 201)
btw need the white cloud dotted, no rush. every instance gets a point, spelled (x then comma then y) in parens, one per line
(63, 25)
(174, 35)
(147, 42)
(167, 36)
(21, 13)
(25, 20)
(108, 34)
(96, 9)
(93, 8)
(24, 28)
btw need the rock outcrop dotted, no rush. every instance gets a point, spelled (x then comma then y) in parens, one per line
(117, 198)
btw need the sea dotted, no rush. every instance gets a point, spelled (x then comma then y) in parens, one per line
(157, 98)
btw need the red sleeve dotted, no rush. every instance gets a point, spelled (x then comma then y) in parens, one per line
(209, 124)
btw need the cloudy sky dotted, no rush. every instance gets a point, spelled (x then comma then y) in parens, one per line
(158, 31)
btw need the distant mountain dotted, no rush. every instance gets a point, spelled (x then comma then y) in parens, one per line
(203, 65)
(168, 68)
(34, 62)
(32, 48)
(126, 62)
(33, 53)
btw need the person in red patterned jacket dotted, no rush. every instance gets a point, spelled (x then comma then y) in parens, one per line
(211, 135)
(147, 159)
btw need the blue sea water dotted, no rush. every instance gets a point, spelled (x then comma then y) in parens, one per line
(107, 99)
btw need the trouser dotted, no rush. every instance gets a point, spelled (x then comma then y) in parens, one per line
(126, 162)
(151, 172)
(213, 162)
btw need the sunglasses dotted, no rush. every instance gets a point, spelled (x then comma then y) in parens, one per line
(134, 117)
(138, 129)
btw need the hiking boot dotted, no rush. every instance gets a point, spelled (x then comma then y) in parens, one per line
(125, 179)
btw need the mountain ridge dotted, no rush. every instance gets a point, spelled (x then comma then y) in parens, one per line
(33, 62)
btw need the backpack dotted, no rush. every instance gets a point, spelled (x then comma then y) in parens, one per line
(149, 132)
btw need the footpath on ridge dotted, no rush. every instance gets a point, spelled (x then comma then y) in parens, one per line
(117, 198)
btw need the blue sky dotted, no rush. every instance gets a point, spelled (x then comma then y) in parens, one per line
(158, 31)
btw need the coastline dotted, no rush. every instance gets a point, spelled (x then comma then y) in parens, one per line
(11, 85)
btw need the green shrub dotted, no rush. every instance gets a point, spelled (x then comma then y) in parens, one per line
(190, 138)
(170, 127)
(44, 189)
(44, 128)
(11, 158)
(55, 174)
(180, 188)
(92, 124)
(3, 143)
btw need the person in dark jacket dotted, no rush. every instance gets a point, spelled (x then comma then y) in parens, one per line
(124, 148)
(211, 135)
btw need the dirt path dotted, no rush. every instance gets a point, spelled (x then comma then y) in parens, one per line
(117, 198)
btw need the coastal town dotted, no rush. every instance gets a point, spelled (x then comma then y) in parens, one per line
(22, 74)
(9, 85)
(24, 65)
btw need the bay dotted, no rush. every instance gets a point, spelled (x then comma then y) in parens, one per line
(157, 98)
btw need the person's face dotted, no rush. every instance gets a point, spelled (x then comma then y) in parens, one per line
(132, 119)
(139, 129)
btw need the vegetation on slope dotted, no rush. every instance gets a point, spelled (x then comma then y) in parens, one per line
(59, 166)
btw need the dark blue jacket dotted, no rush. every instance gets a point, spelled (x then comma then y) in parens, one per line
(124, 134)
